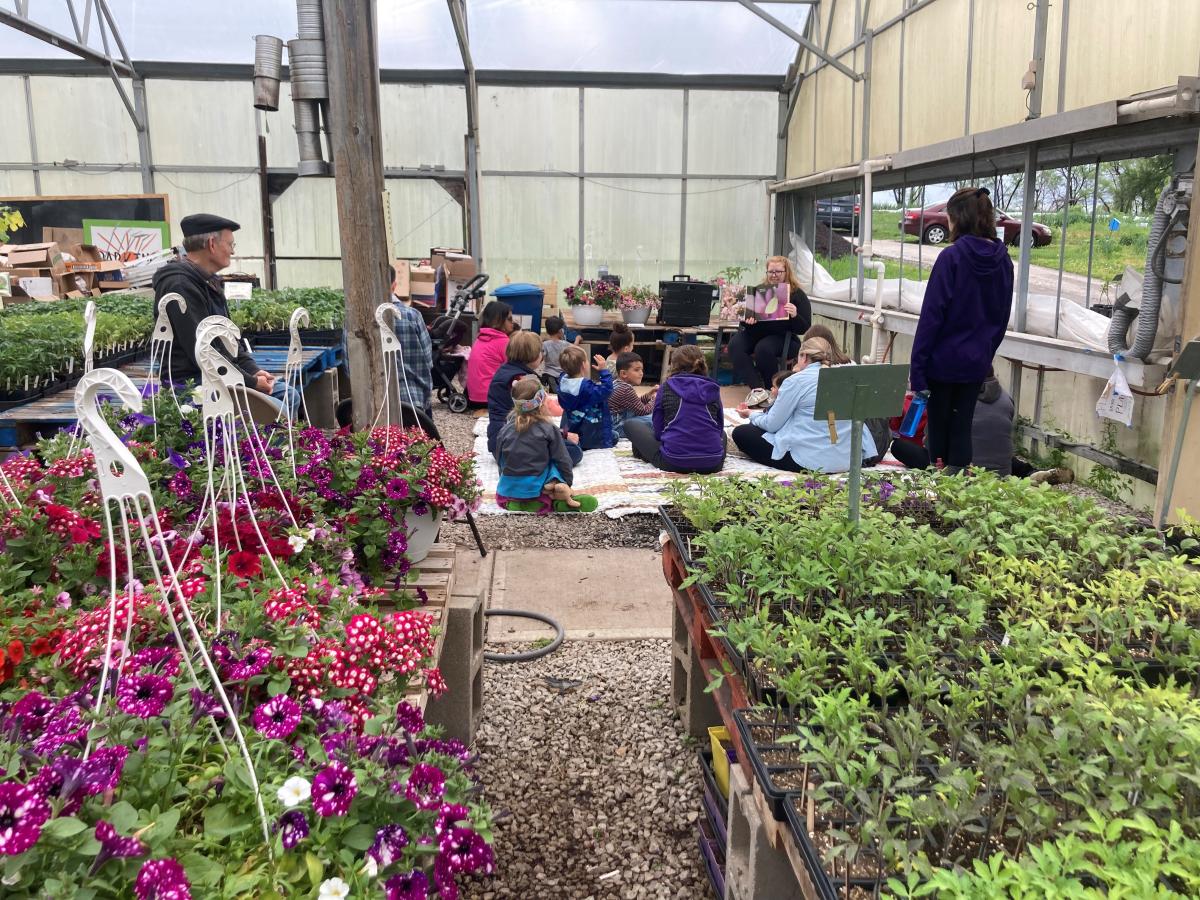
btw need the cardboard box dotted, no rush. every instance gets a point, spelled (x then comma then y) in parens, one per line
(75, 282)
(402, 268)
(459, 264)
(39, 256)
(422, 273)
(36, 286)
(69, 240)
(88, 259)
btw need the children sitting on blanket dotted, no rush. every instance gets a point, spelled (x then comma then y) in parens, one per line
(687, 428)
(585, 402)
(524, 356)
(626, 404)
(536, 472)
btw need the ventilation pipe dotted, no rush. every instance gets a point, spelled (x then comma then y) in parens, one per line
(865, 229)
(1167, 216)
(268, 67)
(308, 136)
(310, 85)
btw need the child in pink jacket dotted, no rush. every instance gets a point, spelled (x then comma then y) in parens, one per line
(488, 353)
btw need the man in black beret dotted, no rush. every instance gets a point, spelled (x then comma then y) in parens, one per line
(208, 245)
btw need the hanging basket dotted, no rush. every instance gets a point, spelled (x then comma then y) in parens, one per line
(422, 533)
(587, 316)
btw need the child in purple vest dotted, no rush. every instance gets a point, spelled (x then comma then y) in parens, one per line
(687, 429)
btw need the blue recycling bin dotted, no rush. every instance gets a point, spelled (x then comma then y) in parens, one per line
(526, 302)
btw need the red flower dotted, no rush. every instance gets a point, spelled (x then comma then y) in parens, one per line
(16, 652)
(245, 564)
(280, 548)
(44, 646)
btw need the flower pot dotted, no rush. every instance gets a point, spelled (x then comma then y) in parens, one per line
(636, 316)
(422, 533)
(587, 316)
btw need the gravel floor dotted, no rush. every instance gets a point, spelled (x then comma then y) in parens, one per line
(566, 531)
(592, 802)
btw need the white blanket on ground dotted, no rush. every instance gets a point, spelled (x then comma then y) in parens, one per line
(621, 483)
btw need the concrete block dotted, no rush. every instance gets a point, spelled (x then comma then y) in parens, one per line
(754, 870)
(696, 709)
(460, 708)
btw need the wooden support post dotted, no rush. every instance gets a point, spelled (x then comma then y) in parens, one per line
(352, 55)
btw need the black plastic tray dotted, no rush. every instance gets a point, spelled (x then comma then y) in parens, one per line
(714, 801)
(776, 796)
(708, 853)
(309, 337)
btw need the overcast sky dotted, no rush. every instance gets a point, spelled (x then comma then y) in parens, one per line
(671, 36)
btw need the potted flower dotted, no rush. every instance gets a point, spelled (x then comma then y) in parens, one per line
(590, 299)
(636, 304)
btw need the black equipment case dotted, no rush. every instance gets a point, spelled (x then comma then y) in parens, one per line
(686, 302)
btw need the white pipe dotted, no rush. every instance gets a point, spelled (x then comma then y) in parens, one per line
(876, 317)
(1153, 104)
(829, 175)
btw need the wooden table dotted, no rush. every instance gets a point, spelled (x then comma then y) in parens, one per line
(658, 340)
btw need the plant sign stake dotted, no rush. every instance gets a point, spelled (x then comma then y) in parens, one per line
(858, 393)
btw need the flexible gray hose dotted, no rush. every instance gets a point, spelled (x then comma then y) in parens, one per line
(559, 636)
(1147, 316)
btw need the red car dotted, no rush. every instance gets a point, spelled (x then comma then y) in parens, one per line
(933, 227)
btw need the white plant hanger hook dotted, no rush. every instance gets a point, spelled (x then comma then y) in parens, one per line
(221, 387)
(123, 485)
(293, 375)
(393, 369)
(8, 496)
(89, 335)
(162, 343)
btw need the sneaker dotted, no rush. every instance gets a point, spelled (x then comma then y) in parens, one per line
(1053, 476)
(758, 397)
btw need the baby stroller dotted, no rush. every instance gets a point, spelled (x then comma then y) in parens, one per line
(448, 333)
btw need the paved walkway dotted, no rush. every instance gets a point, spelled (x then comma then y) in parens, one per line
(1042, 279)
(600, 594)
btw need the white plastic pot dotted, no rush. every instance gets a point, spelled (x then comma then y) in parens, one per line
(422, 533)
(587, 316)
(636, 316)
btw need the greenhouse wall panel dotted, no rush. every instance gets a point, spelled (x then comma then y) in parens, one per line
(423, 124)
(727, 225)
(530, 229)
(836, 127)
(633, 131)
(66, 183)
(209, 122)
(885, 93)
(632, 225)
(535, 129)
(16, 183)
(306, 223)
(731, 132)
(233, 196)
(934, 97)
(14, 136)
(996, 95)
(81, 119)
(308, 273)
(800, 145)
(280, 130)
(880, 11)
(423, 216)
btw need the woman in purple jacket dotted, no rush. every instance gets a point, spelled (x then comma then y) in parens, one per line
(688, 430)
(963, 320)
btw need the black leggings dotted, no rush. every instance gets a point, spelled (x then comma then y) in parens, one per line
(647, 447)
(750, 440)
(755, 364)
(915, 456)
(951, 411)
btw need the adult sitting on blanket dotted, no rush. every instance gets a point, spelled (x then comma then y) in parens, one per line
(687, 430)
(524, 355)
(758, 345)
(787, 436)
(208, 247)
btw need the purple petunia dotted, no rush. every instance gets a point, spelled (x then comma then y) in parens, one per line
(23, 812)
(465, 850)
(277, 718)
(66, 727)
(333, 789)
(409, 717)
(426, 786)
(102, 770)
(204, 705)
(443, 879)
(390, 841)
(407, 886)
(165, 659)
(396, 489)
(175, 459)
(112, 845)
(245, 667)
(448, 815)
(162, 879)
(293, 828)
(144, 696)
(29, 713)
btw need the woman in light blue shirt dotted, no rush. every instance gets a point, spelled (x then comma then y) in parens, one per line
(787, 436)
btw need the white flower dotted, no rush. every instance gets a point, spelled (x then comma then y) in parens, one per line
(298, 542)
(197, 396)
(334, 889)
(295, 791)
(186, 409)
(371, 868)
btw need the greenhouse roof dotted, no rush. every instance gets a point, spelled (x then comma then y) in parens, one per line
(669, 37)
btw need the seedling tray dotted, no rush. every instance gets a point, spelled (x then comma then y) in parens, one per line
(764, 773)
(714, 802)
(309, 337)
(715, 866)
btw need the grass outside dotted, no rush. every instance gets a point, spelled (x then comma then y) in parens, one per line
(847, 267)
(1113, 250)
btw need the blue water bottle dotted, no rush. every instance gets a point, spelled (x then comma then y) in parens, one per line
(912, 416)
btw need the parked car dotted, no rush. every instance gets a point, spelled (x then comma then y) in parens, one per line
(933, 226)
(839, 213)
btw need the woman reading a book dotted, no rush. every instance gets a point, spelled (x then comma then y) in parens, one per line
(770, 313)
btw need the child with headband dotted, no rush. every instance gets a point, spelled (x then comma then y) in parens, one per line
(535, 468)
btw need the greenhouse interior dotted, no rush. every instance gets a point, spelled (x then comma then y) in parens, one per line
(699, 448)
